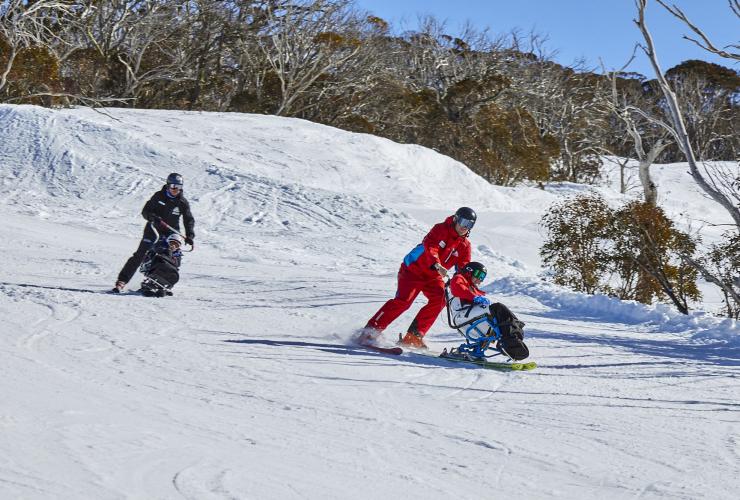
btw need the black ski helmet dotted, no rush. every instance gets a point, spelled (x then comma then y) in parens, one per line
(174, 178)
(476, 270)
(466, 217)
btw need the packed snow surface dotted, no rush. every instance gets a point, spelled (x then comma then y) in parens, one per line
(246, 383)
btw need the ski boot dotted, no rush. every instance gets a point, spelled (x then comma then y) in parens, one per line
(413, 340)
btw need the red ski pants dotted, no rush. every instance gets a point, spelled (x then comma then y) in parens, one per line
(409, 287)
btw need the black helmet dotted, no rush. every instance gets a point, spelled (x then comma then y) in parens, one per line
(465, 216)
(174, 178)
(476, 270)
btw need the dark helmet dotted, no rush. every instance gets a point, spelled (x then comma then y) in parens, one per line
(476, 270)
(465, 216)
(174, 178)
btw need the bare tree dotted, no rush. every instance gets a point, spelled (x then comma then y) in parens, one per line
(343, 93)
(634, 126)
(712, 183)
(420, 85)
(24, 25)
(136, 42)
(707, 96)
(106, 26)
(433, 60)
(152, 51)
(720, 185)
(704, 41)
(246, 60)
(568, 105)
(305, 40)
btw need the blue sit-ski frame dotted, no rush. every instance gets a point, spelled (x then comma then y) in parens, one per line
(481, 333)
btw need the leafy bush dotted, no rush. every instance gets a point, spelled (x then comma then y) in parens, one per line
(723, 261)
(648, 252)
(577, 246)
(634, 252)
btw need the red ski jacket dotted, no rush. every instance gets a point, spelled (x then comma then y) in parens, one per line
(442, 245)
(463, 288)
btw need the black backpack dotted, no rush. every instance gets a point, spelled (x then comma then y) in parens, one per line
(512, 332)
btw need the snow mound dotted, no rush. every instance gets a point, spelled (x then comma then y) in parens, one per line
(701, 326)
(83, 153)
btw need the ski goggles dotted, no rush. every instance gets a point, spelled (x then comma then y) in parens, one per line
(466, 223)
(478, 274)
(175, 186)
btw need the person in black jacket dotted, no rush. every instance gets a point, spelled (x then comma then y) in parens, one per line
(163, 209)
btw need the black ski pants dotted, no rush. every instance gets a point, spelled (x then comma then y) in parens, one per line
(133, 262)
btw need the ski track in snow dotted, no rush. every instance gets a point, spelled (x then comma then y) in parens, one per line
(246, 384)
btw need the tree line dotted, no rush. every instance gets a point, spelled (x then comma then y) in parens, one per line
(499, 104)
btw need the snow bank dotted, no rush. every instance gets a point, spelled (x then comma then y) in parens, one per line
(701, 326)
(131, 150)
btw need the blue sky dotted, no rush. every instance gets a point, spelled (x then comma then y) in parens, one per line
(591, 29)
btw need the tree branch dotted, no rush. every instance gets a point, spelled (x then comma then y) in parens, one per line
(705, 42)
(679, 127)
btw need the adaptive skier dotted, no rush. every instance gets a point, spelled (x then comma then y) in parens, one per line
(161, 266)
(483, 324)
(422, 271)
(163, 209)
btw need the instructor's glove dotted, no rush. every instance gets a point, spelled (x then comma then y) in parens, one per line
(480, 300)
(157, 221)
(440, 269)
(189, 240)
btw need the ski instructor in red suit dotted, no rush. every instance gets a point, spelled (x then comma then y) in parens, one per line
(423, 271)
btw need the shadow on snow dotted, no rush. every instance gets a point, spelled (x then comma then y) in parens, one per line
(415, 358)
(717, 353)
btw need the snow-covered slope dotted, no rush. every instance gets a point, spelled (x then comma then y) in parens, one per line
(245, 384)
